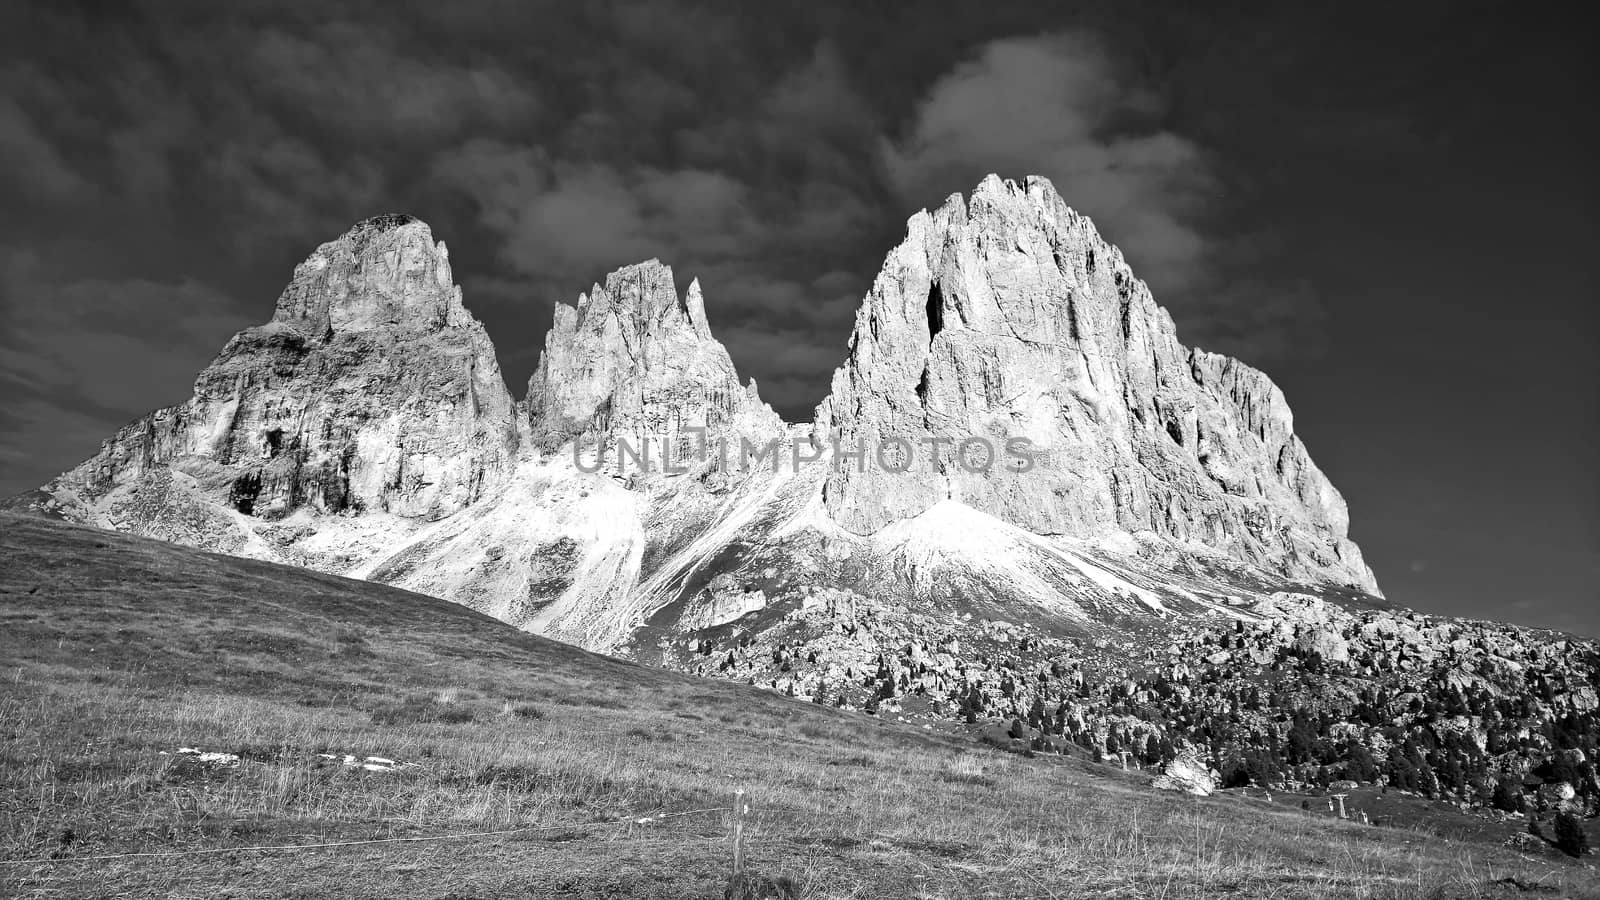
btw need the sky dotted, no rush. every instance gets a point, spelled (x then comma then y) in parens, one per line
(1389, 208)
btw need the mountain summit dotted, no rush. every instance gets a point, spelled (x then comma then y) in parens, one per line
(367, 430)
(634, 358)
(1008, 316)
(372, 394)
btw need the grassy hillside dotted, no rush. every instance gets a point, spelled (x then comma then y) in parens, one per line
(601, 778)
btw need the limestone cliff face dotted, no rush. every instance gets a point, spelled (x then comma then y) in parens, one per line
(371, 389)
(366, 430)
(1007, 316)
(562, 548)
(635, 360)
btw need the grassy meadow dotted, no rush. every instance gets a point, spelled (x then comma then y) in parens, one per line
(490, 763)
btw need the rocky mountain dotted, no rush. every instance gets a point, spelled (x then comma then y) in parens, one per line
(372, 395)
(1023, 501)
(1015, 433)
(1006, 316)
(566, 543)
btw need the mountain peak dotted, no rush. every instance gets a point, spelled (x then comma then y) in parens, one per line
(411, 417)
(367, 430)
(385, 272)
(381, 223)
(634, 356)
(1006, 317)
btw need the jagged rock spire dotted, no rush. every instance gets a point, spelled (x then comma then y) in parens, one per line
(632, 357)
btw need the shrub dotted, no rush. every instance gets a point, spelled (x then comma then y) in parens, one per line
(1508, 794)
(527, 711)
(1570, 838)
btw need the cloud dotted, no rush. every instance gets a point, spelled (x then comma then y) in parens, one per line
(1057, 106)
(560, 219)
(771, 195)
(355, 78)
(79, 358)
(280, 190)
(30, 161)
(564, 225)
(1061, 106)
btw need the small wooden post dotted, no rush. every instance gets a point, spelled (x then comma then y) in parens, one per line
(740, 807)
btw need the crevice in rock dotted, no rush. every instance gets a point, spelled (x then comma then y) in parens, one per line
(935, 311)
(246, 488)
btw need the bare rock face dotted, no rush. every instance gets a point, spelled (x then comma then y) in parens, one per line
(1188, 775)
(372, 389)
(1008, 317)
(633, 359)
(562, 549)
(366, 430)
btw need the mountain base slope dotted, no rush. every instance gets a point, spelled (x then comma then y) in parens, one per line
(121, 652)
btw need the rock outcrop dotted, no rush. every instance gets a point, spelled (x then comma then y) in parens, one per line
(1006, 317)
(1188, 775)
(634, 359)
(372, 389)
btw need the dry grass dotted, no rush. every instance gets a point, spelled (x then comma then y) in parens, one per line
(117, 649)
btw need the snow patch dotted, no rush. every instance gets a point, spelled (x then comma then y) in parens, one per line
(211, 757)
(951, 535)
(368, 764)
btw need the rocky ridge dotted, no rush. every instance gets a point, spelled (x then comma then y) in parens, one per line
(1169, 586)
(366, 430)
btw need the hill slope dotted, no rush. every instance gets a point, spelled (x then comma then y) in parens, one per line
(120, 651)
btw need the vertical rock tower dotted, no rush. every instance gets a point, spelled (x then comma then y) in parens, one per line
(634, 359)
